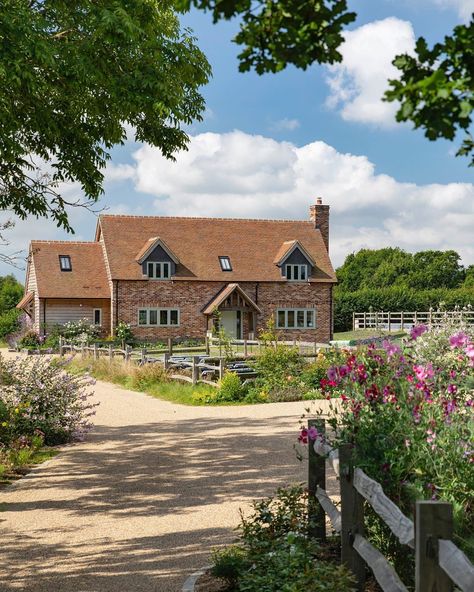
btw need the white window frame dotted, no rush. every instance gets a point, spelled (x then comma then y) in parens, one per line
(158, 265)
(67, 260)
(226, 265)
(296, 311)
(158, 314)
(99, 310)
(298, 268)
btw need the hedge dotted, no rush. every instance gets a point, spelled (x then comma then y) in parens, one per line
(395, 299)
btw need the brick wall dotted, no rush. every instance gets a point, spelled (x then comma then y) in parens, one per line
(191, 298)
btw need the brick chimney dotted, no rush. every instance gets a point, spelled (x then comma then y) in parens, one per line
(319, 215)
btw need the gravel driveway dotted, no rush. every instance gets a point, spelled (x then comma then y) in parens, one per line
(139, 505)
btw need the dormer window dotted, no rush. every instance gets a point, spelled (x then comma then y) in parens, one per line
(296, 272)
(225, 263)
(159, 270)
(65, 263)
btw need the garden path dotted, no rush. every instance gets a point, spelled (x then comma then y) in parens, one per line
(139, 504)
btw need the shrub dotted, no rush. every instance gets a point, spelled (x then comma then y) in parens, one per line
(278, 365)
(29, 340)
(275, 553)
(80, 332)
(9, 322)
(230, 389)
(123, 332)
(38, 395)
(229, 563)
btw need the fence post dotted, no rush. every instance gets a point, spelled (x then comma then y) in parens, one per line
(170, 346)
(144, 359)
(166, 359)
(433, 521)
(96, 353)
(111, 352)
(208, 347)
(353, 321)
(402, 324)
(352, 516)
(389, 321)
(61, 351)
(221, 368)
(245, 348)
(365, 321)
(128, 352)
(430, 317)
(316, 476)
(195, 369)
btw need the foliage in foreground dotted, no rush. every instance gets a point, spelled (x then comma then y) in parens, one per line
(73, 75)
(38, 397)
(408, 411)
(274, 552)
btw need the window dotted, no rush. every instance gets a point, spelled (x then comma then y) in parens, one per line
(97, 312)
(158, 270)
(296, 318)
(65, 263)
(158, 317)
(225, 263)
(296, 272)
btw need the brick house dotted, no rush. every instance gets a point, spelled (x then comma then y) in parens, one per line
(167, 276)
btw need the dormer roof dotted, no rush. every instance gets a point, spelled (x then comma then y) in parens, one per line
(287, 249)
(150, 246)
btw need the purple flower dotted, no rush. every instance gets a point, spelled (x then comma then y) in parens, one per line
(391, 348)
(332, 373)
(458, 340)
(424, 372)
(417, 331)
(313, 433)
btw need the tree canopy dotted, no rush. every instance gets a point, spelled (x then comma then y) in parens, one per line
(435, 88)
(393, 267)
(73, 75)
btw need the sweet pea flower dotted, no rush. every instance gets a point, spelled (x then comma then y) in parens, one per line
(459, 340)
(417, 331)
(313, 433)
(391, 348)
(423, 372)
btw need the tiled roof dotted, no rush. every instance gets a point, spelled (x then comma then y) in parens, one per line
(87, 278)
(224, 294)
(251, 246)
(148, 247)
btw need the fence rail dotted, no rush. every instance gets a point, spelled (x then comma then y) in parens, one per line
(395, 321)
(438, 561)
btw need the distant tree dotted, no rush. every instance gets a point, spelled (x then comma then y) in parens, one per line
(11, 292)
(72, 76)
(393, 267)
(435, 88)
(436, 269)
(469, 277)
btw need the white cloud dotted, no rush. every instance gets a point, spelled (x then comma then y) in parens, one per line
(358, 83)
(464, 8)
(242, 175)
(285, 125)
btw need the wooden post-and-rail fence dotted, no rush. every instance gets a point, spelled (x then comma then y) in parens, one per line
(438, 561)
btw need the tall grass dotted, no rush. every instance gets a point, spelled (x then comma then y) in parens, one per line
(150, 378)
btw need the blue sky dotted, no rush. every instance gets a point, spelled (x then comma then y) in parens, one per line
(270, 144)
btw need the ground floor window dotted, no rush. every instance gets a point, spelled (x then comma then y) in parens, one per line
(98, 316)
(296, 318)
(158, 317)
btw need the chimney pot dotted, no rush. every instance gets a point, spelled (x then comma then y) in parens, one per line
(319, 201)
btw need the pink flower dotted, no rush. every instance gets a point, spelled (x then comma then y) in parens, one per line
(391, 348)
(458, 340)
(424, 372)
(332, 373)
(313, 433)
(417, 331)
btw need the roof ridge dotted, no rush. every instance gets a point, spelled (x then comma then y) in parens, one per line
(204, 218)
(64, 242)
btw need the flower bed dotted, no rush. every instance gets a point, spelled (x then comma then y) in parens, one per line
(408, 411)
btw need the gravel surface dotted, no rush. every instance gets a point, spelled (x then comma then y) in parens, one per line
(139, 505)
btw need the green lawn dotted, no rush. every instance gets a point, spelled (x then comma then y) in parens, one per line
(364, 334)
